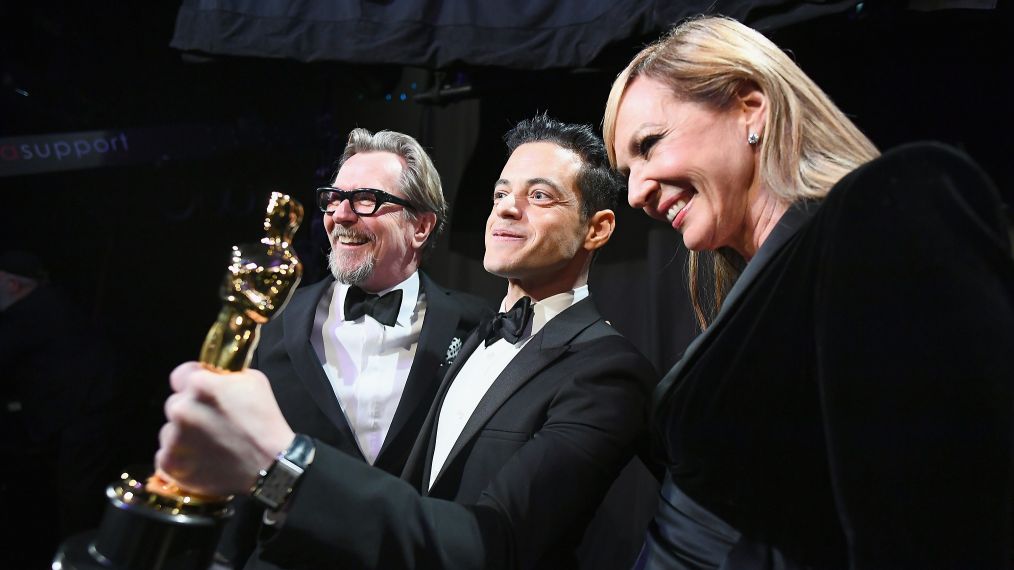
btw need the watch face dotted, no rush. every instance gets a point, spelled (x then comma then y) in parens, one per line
(275, 486)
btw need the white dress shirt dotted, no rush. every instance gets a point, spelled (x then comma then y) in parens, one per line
(482, 368)
(366, 362)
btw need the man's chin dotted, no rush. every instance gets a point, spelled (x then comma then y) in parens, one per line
(497, 268)
(505, 271)
(350, 273)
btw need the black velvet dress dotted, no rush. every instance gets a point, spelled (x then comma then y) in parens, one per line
(851, 406)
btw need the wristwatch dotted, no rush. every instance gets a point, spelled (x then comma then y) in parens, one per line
(275, 484)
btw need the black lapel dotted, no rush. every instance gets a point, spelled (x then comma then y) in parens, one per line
(544, 348)
(422, 451)
(298, 326)
(438, 328)
(790, 222)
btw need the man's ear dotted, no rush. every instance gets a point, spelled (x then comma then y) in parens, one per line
(600, 228)
(424, 225)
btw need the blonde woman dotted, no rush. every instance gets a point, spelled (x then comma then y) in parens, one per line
(849, 402)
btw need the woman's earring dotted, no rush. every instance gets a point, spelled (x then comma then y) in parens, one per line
(753, 139)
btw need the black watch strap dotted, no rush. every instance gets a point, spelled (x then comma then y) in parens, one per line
(276, 483)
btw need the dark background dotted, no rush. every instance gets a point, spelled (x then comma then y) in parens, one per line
(142, 248)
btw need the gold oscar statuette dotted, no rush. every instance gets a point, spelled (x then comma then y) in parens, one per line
(155, 524)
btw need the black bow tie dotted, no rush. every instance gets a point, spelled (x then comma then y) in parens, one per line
(511, 325)
(384, 309)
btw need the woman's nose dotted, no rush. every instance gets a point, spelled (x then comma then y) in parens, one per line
(641, 191)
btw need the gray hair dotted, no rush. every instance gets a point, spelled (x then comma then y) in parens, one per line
(420, 182)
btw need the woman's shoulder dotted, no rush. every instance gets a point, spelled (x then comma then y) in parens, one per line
(917, 163)
(918, 153)
(917, 176)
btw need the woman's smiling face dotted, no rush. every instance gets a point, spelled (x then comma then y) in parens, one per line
(687, 164)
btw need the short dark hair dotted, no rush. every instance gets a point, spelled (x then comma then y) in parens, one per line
(600, 186)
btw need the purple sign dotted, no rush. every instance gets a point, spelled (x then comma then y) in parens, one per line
(32, 154)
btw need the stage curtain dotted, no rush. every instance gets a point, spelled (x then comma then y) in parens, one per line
(533, 34)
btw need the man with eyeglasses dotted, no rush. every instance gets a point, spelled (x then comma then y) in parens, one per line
(532, 424)
(355, 361)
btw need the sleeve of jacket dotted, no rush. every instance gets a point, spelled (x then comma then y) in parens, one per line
(914, 335)
(351, 515)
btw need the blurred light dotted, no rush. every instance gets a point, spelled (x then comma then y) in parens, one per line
(21, 92)
(402, 96)
(412, 86)
(387, 97)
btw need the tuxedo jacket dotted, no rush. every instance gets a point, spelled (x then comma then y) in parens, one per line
(519, 485)
(851, 405)
(309, 404)
(305, 394)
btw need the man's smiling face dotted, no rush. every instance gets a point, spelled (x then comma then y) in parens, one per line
(371, 251)
(536, 227)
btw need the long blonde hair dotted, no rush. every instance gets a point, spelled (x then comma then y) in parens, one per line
(807, 143)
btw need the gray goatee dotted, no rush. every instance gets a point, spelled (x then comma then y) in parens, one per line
(346, 270)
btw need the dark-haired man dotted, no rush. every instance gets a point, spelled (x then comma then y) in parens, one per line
(531, 425)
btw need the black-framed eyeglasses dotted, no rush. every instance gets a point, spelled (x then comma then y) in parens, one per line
(364, 201)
